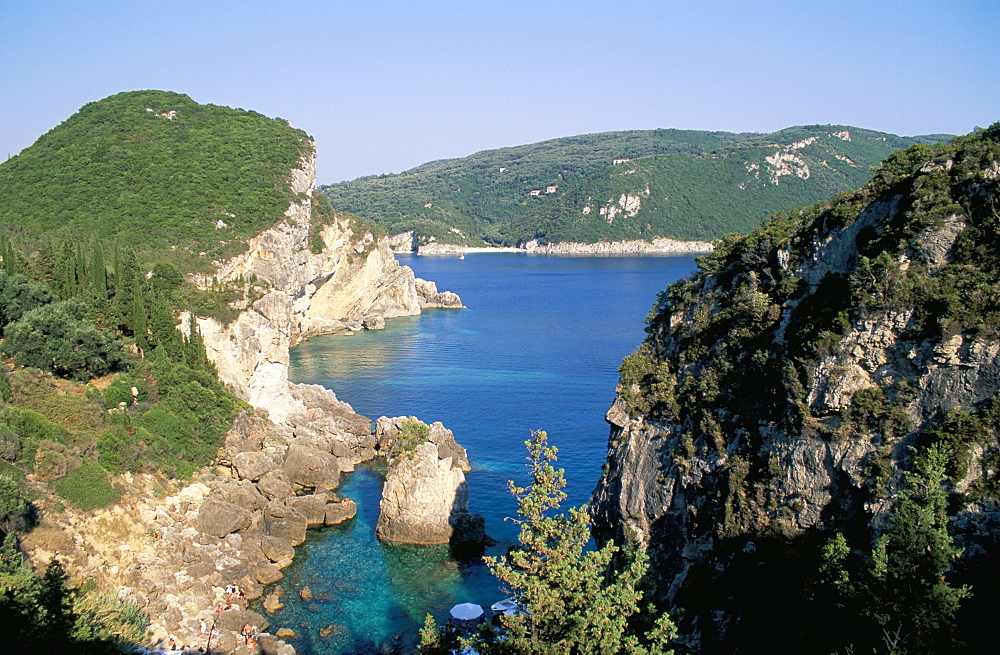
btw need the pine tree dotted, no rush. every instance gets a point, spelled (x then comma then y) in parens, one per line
(902, 589)
(576, 600)
(910, 563)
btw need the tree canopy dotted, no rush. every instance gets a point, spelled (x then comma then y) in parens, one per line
(575, 599)
(157, 169)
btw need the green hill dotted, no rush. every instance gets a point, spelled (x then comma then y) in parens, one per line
(677, 183)
(153, 168)
(813, 421)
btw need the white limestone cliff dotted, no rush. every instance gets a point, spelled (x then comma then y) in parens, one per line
(304, 293)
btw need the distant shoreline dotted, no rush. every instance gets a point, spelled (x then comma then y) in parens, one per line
(659, 246)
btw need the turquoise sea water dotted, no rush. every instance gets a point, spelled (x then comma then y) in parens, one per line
(537, 348)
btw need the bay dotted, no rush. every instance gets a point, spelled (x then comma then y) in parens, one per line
(537, 348)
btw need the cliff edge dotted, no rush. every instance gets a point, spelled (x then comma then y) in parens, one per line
(786, 388)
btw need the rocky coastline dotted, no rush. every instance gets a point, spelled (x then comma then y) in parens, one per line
(174, 547)
(407, 242)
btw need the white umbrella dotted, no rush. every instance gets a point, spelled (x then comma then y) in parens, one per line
(466, 611)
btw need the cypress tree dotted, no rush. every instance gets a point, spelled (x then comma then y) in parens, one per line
(195, 351)
(139, 325)
(163, 328)
(98, 272)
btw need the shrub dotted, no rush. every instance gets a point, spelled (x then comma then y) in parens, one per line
(32, 429)
(119, 451)
(18, 295)
(87, 487)
(13, 505)
(56, 338)
(105, 618)
(120, 391)
(412, 433)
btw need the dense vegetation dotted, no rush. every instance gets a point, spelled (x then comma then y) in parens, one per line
(99, 221)
(689, 185)
(737, 368)
(45, 613)
(573, 599)
(158, 405)
(158, 170)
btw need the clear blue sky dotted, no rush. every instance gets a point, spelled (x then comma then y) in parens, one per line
(384, 85)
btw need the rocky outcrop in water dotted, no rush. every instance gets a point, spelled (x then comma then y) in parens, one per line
(786, 386)
(425, 499)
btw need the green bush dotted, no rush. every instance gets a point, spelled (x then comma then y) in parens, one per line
(103, 617)
(31, 428)
(19, 295)
(56, 338)
(13, 505)
(412, 433)
(120, 391)
(87, 487)
(119, 451)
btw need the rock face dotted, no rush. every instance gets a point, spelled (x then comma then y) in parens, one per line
(354, 278)
(425, 499)
(785, 386)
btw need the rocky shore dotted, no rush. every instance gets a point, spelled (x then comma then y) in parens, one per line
(175, 546)
(638, 247)
(407, 242)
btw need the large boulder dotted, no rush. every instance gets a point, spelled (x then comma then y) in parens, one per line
(285, 522)
(423, 499)
(249, 430)
(275, 485)
(244, 494)
(277, 549)
(266, 573)
(339, 512)
(252, 465)
(313, 507)
(234, 620)
(218, 517)
(310, 468)
(429, 296)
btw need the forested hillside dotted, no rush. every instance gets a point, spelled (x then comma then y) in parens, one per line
(100, 220)
(157, 170)
(614, 186)
(807, 443)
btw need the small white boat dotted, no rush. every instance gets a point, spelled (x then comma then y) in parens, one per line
(507, 606)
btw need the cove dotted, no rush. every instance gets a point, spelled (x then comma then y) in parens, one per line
(538, 347)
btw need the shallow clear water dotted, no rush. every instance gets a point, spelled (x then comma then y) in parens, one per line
(537, 348)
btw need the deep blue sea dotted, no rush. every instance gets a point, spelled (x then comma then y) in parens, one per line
(537, 348)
